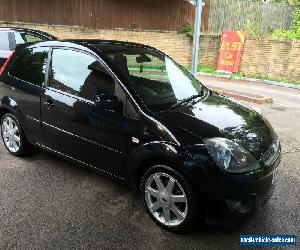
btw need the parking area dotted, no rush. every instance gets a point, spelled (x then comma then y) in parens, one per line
(47, 202)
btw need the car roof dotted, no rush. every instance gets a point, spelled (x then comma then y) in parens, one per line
(93, 44)
(104, 43)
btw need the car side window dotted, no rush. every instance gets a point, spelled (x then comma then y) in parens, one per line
(4, 41)
(79, 74)
(30, 65)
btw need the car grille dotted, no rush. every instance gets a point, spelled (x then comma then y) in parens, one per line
(272, 152)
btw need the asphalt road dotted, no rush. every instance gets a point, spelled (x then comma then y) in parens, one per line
(47, 202)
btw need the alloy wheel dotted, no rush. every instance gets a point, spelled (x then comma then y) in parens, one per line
(11, 134)
(166, 199)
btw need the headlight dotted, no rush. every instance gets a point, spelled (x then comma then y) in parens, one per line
(230, 156)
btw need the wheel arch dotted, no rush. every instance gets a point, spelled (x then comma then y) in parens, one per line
(4, 110)
(146, 164)
(9, 105)
(155, 153)
(24, 148)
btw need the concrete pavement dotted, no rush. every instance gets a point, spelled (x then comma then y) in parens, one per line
(280, 95)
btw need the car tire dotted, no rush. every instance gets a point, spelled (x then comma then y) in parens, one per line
(13, 136)
(168, 199)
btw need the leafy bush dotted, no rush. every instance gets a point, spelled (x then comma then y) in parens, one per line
(187, 28)
(252, 29)
(293, 32)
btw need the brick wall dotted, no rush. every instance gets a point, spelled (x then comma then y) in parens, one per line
(176, 45)
(273, 58)
(277, 59)
(208, 54)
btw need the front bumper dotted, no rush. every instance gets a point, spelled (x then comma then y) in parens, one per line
(241, 196)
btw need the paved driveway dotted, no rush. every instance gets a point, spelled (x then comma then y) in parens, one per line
(47, 202)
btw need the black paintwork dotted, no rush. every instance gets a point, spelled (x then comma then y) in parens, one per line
(84, 132)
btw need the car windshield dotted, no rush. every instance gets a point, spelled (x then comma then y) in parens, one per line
(159, 81)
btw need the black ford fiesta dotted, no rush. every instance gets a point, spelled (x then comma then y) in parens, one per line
(132, 113)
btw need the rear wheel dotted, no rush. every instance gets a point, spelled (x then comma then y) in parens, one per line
(169, 199)
(13, 136)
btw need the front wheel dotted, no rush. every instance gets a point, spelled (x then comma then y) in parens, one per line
(169, 199)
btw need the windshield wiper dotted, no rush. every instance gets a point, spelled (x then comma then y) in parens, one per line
(185, 101)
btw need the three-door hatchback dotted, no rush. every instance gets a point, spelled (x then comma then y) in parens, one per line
(132, 113)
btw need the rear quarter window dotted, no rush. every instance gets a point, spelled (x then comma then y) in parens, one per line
(4, 42)
(30, 65)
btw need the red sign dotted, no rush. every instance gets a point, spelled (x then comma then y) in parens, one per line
(230, 53)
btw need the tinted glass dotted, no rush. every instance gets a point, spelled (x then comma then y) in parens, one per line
(30, 65)
(79, 74)
(4, 43)
(159, 80)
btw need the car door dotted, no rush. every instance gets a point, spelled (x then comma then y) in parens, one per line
(73, 125)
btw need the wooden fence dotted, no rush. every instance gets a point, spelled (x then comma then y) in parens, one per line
(239, 14)
(100, 14)
(217, 16)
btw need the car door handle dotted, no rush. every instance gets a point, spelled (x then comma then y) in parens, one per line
(48, 103)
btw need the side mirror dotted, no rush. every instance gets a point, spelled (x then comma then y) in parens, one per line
(109, 102)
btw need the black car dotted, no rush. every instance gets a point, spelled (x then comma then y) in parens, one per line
(11, 37)
(132, 113)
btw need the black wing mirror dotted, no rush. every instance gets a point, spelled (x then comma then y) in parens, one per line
(109, 102)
